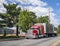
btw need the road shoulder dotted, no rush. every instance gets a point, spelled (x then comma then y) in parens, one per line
(56, 43)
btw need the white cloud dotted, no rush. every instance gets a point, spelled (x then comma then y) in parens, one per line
(38, 9)
(1, 1)
(2, 9)
(33, 2)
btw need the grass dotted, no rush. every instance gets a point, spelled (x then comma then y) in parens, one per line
(6, 37)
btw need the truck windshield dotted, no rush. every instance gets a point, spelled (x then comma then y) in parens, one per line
(34, 28)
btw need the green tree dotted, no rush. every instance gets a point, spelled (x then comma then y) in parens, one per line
(58, 29)
(26, 19)
(13, 11)
(43, 19)
(3, 22)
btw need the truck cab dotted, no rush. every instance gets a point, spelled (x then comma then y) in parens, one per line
(36, 31)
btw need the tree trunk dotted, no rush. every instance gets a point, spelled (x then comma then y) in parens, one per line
(4, 33)
(17, 31)
(17, 27)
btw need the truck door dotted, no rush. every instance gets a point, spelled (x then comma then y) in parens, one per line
(42, 30)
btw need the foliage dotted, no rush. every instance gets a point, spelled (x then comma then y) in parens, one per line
(27, 19)
(12, 13)
(58, 29)
(43, 19)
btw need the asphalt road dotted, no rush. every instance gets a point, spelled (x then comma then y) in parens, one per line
(58, 44)
(31, 42)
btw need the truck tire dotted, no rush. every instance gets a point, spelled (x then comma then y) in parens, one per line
(55, 34)
(47, 36)
(37, 36)
(27, 38)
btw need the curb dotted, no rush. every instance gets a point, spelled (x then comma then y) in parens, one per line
(12, 39)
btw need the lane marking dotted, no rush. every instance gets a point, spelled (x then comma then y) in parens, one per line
(56, 43)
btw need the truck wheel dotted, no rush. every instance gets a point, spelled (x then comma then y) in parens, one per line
(55, 34)
(37, 36)
(47, 36)
(26, 38)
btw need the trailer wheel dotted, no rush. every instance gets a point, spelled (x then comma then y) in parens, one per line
(55, 34)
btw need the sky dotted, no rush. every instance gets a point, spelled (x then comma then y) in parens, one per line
(40, 7)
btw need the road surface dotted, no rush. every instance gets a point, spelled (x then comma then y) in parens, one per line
(58, 44)
(31, 42)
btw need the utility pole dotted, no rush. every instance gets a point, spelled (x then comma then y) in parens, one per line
(49, 18)
(49, 13)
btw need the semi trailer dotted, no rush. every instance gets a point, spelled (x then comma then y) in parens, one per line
(41, 30)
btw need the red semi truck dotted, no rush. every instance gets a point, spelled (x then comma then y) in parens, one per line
(41, 30)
